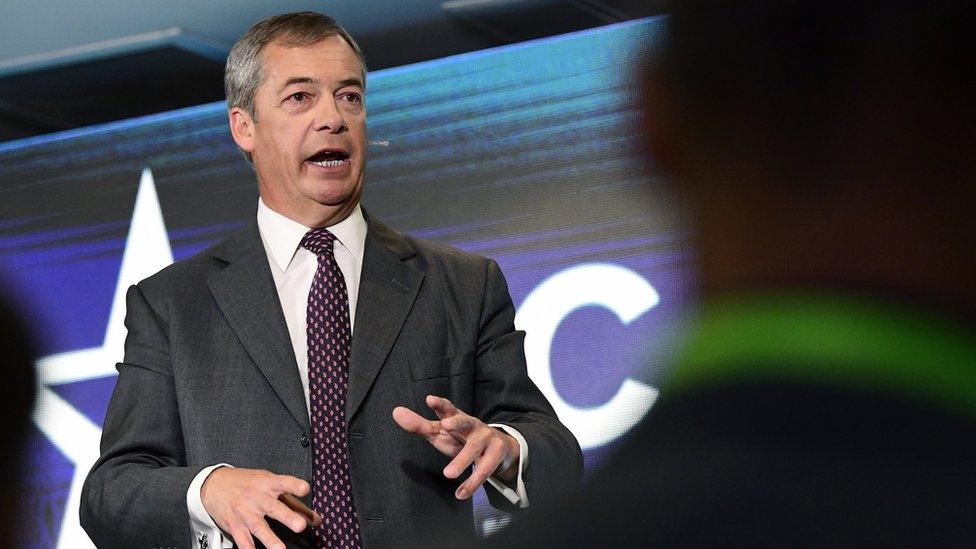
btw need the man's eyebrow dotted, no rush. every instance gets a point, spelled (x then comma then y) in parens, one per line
(354, 81)
(298, 80)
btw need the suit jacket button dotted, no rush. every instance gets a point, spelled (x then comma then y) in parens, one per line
(304, 440)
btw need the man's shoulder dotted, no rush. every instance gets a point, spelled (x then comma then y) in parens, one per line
(196, 269)
(452, 265)
(438, 251)
(427, 255)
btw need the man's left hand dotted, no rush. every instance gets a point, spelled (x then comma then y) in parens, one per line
(466, 439)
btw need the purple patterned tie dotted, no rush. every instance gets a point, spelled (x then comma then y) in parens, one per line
(329, 337)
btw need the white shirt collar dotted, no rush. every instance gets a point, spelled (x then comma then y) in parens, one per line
(282, 235)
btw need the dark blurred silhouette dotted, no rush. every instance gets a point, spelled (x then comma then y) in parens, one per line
(826, 396)
(17, 393)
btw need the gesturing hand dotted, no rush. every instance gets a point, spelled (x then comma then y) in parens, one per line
(466, 439)
(239, 499)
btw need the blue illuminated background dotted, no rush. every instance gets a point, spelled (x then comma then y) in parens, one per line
(525, 154)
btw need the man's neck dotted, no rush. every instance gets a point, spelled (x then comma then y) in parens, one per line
(313, 218)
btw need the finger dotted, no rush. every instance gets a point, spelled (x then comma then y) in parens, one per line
(441, 406)
(259, 528)
(446, 444)
(413, 422)
(471, 451)
(285, 515)
(241, 535)
(486, 465)
(292, 485)
(460, 425)
(296, 505)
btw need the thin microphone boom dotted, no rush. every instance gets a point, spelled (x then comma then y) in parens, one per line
(378, 143)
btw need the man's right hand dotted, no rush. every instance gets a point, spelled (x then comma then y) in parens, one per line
(240, 499)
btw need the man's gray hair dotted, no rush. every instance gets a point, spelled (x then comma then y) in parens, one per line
(243, 73)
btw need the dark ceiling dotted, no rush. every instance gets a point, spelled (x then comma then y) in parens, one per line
(72, 67)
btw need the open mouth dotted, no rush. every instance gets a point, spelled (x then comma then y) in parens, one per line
(329, 158)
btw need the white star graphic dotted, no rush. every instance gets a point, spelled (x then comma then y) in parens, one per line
(147, 250)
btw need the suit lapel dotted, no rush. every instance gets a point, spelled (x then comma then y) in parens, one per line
(387, 289)
(245, 292)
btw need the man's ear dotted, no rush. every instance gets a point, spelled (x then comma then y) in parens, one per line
(242, 128)
(659, 120)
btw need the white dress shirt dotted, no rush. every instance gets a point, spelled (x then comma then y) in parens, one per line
(293, 269)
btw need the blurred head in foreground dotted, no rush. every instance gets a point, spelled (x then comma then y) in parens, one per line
(823, 147)
(827, 395)
(17, 394)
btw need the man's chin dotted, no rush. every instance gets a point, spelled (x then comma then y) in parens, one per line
(337, 199)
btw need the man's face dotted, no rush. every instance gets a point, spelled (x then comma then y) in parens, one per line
(308, 136)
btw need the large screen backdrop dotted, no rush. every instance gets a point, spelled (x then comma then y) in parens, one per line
(525, 154)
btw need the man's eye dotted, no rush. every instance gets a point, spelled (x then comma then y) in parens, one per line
(352, 97)
(298, 97)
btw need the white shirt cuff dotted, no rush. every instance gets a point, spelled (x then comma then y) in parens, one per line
(201, 523)
(518, 496)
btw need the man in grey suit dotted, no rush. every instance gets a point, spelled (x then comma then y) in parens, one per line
(219, 429)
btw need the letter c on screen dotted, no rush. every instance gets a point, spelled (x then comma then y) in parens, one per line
(622, 291)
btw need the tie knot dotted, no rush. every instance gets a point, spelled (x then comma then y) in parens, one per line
(318, 241)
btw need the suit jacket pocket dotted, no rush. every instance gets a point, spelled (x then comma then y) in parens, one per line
(448, 366)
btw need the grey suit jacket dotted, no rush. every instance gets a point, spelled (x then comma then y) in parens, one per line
(210, 376)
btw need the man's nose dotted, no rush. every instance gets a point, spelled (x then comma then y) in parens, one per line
(329, 118)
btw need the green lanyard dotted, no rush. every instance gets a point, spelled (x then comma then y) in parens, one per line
(831, 340)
